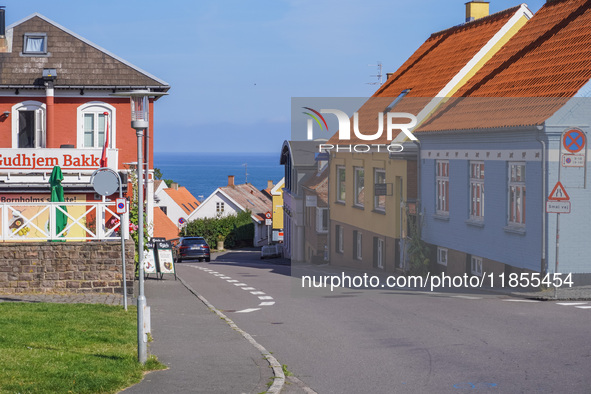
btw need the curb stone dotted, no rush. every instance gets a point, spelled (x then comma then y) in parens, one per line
(279, 380)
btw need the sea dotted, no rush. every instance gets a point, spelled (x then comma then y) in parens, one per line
(203, 173)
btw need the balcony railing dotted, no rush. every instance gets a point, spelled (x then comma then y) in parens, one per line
(29, 222)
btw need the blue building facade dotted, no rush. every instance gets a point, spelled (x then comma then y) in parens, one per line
(484, 195)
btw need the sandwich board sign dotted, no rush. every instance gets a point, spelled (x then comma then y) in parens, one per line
(165, 259)
(149, 259)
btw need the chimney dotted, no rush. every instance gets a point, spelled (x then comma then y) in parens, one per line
(2, 22)
(231, 180)
(476, 10)
(269, 185)
(388, 75)
(174, 186)
(3, 41)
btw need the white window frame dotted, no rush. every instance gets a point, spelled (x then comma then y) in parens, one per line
(341, 185)
(40, 128)
(28, 36)
(476, 265)
(442, 187)
(376, 199)
(358, 188)
(220, 207)
(321, 224)
(477, 190)
(96, 107)
(516, 188)
(442, 256)
(340, 239)
(380, 246)
(358, 245)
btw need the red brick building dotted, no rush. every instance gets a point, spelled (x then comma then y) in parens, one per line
(56, 108)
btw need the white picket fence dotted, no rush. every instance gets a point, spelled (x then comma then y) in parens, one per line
(27, 222)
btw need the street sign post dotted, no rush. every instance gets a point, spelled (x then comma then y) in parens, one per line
(557, 206)
(558, 193)
(574, 140)
(121, 205)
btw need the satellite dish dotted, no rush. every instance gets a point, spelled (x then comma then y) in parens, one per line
(105, 182)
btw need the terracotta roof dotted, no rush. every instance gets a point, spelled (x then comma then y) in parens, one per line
(442, 56)
(550, 57)
(78, 61)
(428, 71)
(249, 198)
(183, 198)
(318, 184)
(163, 226)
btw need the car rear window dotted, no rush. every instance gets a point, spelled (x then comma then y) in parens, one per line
(194, 241)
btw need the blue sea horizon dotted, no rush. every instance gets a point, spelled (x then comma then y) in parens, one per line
(202, 173)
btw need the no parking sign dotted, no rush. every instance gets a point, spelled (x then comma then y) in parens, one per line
(574, 140)
(121, 205)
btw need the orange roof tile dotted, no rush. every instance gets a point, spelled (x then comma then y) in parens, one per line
(428, 71)
(183, 198)
(163, 226)
(550, 57)
(442, 56)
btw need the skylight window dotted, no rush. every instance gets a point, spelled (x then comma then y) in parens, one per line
(35, 44)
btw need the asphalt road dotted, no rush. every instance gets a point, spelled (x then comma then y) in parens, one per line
(400, 341)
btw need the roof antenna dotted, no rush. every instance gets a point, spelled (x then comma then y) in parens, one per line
(245, 172)
(378, 76)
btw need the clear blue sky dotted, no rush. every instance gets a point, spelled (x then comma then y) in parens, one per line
(234, 65)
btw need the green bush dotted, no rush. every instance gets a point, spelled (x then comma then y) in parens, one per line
(418, 250)
(234, 230)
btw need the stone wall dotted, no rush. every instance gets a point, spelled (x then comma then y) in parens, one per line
(65, 267)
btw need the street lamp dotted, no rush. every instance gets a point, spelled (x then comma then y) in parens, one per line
(140, 120)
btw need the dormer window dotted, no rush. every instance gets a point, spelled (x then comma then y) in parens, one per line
(35, 44)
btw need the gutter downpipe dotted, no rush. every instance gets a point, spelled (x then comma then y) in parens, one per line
(419, 207)
(543, 263)
(50, 138)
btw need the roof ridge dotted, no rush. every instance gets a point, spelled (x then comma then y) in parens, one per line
(479, 20)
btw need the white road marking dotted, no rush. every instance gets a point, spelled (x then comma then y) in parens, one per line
(232, 281)
(265, 298)
(219, 275)
(225, 277)
(583, 307)
(248, 288)
(213, 272)
(240, 284)
(249, 310)
(571, 303)
(521, 300)
(267, 303)
(257, 292)
(467, 297)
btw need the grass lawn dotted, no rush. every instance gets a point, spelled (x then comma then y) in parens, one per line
(68, 348)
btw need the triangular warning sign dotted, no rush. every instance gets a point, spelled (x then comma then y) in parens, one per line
(558, 193)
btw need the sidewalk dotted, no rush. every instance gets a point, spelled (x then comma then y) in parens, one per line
(203, 353)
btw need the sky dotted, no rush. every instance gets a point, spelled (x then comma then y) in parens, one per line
(234, 65)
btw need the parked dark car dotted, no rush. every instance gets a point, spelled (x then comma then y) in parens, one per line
(192, 248)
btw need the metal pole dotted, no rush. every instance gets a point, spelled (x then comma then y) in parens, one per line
(122, 225)
(142, 350)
